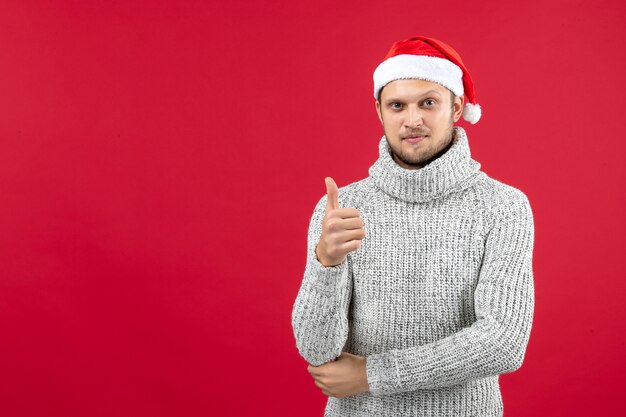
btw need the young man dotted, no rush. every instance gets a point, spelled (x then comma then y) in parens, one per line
(418, 287)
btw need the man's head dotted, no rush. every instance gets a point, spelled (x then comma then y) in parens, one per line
(418, 118)
(432, 60)
(421, 88)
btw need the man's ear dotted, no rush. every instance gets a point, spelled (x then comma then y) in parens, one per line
(458, 107)
(380, 116)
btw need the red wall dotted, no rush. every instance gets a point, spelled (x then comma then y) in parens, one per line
(160, 160)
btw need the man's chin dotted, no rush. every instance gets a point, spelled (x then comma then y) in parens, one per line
(412, 161)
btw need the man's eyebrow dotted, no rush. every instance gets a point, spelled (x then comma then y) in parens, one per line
(426, 93)
(431, 92)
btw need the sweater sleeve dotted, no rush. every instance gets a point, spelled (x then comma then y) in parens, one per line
(320, 312)
(496, 342)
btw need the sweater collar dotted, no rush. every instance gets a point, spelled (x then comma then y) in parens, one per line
(453, 171)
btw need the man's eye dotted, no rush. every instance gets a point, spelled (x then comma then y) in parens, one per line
(430, 102)
(396, 106)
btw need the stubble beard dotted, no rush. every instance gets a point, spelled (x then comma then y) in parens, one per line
(421, 160)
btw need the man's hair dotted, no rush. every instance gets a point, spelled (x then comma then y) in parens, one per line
(452, 97)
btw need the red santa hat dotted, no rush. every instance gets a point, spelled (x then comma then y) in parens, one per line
(432, 60)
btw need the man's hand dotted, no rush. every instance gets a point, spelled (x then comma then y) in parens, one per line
(343, 377)
(342, 229)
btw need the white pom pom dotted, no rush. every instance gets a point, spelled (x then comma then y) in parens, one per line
(472, 112)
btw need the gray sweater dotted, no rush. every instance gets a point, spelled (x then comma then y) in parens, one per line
(439, 298)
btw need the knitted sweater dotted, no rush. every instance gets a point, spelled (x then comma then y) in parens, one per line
(439, 298)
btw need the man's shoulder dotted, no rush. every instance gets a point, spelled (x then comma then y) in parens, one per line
(500, 198)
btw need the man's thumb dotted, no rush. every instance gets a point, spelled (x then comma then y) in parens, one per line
(332, 194)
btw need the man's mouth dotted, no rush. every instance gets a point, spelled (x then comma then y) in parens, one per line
(415, 138)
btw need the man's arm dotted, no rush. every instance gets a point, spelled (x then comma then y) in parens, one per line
(320, 312)
(496, 342)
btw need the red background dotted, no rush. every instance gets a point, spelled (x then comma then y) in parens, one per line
(160, 161)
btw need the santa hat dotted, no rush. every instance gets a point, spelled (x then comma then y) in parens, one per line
(432, 60)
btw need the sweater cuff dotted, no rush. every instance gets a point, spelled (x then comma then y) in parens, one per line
(382, 374)
(327, 279)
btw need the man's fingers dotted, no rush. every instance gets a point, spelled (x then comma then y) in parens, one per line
(350, 223)
(345, 236)
(351, 246)
(332, 193)
(347, 212)
(320, 385)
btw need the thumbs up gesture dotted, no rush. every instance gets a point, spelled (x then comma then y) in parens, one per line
(342, 229)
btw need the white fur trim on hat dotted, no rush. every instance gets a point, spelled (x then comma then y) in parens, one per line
(472, 112)
(430, 68)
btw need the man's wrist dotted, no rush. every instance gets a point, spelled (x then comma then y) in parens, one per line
(322, 260)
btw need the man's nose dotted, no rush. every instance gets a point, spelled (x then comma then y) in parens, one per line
(414, 117)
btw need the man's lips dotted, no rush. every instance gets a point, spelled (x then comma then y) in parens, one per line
(414, 139)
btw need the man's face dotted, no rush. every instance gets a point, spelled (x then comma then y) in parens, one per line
(418, 117)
